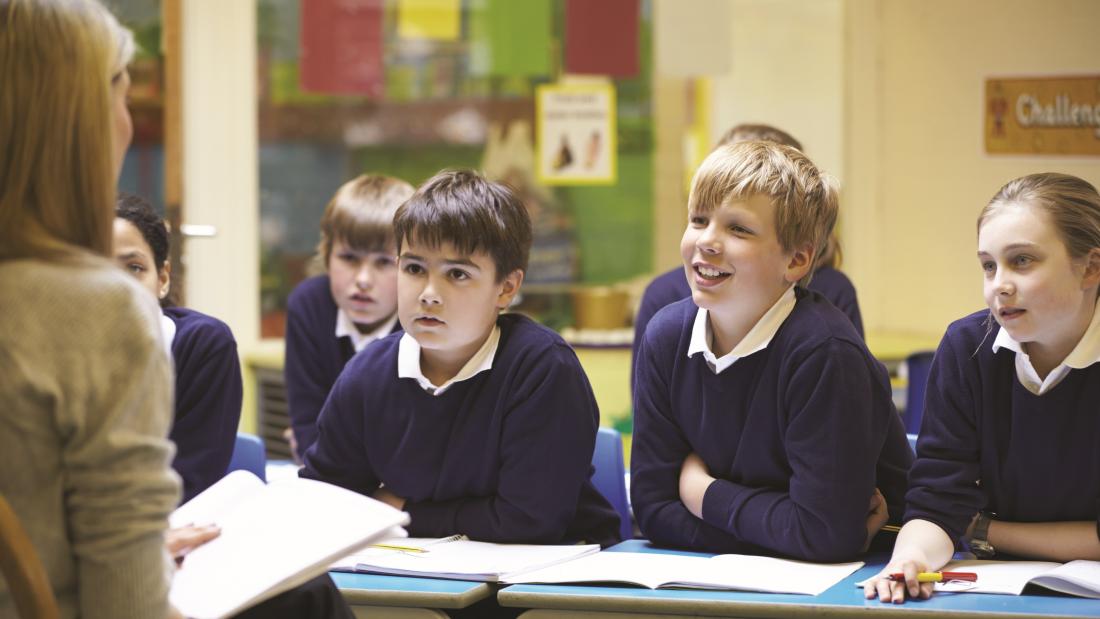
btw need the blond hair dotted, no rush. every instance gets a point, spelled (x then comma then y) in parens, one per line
(1072, 204)
(805, 199)
(57, 187)
(361, 214)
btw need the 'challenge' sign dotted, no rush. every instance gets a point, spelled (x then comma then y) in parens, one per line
(1043, 116)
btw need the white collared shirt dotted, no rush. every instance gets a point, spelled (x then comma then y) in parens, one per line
(1086, 353)
(756, 339)
(408, 362)
(346, 327)
(168, 329)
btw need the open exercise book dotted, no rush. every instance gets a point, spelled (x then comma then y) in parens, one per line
(1080, 578)
(273, 537)
(721, 572)
(458, 558)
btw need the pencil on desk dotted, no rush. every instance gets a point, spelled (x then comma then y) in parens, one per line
(399, 548)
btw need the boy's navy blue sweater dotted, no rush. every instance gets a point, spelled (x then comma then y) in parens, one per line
(986, 442)
(208, 398)
(504, 456)
(314, 355)
(798, 435)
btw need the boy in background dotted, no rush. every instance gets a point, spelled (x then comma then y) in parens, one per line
(330, 317)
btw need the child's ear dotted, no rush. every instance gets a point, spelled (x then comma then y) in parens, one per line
(799, 264)
(508, 288)
(164, 278)
(1091, 275)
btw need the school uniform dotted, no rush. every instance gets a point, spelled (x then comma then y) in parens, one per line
(208, 396)
(995, 437)
(502, 452)
(671, 286)
(320, 339)
(796, 423)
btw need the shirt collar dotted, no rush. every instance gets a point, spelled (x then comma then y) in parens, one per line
(408, 362)
(755, 340)
(345, 327)
(1084, 354)
(168, 330)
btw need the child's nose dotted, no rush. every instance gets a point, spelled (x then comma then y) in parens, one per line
(363, 277)
(430, 295)
(707, 241)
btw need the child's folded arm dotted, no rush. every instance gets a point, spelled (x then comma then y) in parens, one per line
(546, 452)
(834, 428)
(339, 456)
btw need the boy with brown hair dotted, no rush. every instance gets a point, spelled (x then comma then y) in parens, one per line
(472, 421)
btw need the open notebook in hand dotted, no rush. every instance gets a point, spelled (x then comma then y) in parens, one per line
(273, 537)
(458, 558)
(721, 572)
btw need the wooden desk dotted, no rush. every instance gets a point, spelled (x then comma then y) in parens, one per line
(842, 600)
(400, 597)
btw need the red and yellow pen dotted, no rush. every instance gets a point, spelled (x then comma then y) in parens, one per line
(937, 576)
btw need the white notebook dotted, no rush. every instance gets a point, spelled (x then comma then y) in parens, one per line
(458, 558)
(1081, 578)
(273, 537)
(723, 572)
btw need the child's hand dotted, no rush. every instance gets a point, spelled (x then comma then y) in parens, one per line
(383, 494)
(694, 481)
(288, 434)
(877, 516)
(889, 591)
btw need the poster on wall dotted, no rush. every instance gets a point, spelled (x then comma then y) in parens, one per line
(1042, 115)
(576, 134)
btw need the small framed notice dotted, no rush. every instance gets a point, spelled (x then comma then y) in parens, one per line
(576, 134)
(1042, 115)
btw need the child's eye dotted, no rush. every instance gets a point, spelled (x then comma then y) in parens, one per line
(458, 274)
(348, 257)
(697, 220)
(988, 266)
(136, 268)
(384, 261)
(742, 230)
(1022, 261)
(412, 268)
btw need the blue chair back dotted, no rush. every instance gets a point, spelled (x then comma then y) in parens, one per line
(918, 365)
(609, 477)
(248, 455)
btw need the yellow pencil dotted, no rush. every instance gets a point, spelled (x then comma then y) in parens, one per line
(400, 548)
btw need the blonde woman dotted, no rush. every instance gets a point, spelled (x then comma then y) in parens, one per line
(84, 380)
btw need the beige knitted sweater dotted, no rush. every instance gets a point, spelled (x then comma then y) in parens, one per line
(85, 406)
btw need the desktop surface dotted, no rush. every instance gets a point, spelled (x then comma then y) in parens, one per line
(843, 599)
(382, 590)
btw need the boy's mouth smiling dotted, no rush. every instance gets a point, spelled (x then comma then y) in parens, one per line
(1010, 313)
(707, 274)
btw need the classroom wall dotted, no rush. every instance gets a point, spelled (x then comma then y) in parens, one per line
(916, 173)
(786, 69)
(888, 96)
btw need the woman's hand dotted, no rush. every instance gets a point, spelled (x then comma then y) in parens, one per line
(179, 542)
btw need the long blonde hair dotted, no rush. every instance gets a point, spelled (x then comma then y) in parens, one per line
(57, 187)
